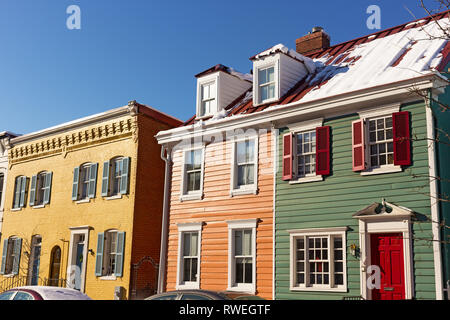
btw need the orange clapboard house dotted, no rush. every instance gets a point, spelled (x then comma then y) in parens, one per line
(218, 214)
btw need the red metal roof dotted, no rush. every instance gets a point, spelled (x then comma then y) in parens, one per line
(335, 54)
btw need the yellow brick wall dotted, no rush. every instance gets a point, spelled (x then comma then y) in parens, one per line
(53, 221)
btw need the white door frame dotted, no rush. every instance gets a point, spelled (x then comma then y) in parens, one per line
(76, 231)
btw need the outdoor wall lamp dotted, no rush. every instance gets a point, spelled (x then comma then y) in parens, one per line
(91, 251)
(354, 250)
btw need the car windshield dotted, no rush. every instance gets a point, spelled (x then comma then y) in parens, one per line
(7, 295)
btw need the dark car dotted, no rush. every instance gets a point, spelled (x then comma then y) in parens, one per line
(203, 295)
(43, 293)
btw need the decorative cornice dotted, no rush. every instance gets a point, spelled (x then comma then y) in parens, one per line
(76, 140)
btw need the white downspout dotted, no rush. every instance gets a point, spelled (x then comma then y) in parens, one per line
(165, 219)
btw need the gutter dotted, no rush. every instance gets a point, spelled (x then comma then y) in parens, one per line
(165, 219)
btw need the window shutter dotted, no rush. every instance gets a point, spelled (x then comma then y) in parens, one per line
(119, 254)
(287, 156)
(33, 190)
(76, 176)
(23, 190)
(4, 254)
(125, 176)
(48, 187)
(16, 201)
(92, 180)
(105, 179)
(323, 150)
(17, 252)
(358, 152)
(99, 255)
(402, 141)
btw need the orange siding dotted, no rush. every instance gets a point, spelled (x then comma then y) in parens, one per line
(216, 207)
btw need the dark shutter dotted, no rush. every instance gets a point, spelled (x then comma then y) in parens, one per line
(323, 150)
(287, 156)
(402, 141)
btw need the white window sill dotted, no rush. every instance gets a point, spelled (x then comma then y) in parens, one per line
(206, 116)
(381, 170)
(10, 275)
(191, 196)
(117, 196)
(319, 289)
(267, 101)
(110, 278)
(16, 209)
(244, 190)
(188, 286)
(307, 179)
(86, 200)
(39, 206)
(249, 288)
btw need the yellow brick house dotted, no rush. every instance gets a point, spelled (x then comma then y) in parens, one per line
(83, 205)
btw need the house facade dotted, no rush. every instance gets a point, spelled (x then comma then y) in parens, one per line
(359, 177)
(78, 213)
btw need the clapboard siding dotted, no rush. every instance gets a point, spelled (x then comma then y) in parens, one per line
(217, 207)
(333, 201)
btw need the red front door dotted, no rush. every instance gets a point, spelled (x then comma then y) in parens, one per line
(387, 253)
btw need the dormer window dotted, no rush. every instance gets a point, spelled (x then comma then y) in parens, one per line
(208, 103)
(266, 83)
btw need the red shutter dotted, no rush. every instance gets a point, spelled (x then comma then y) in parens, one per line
(358, 153)
(402, 144)
(323, 150)
(287, 156)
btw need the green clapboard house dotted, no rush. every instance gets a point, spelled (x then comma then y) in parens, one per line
(362, 175)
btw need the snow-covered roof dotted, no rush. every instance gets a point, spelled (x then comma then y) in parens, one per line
(396, 54)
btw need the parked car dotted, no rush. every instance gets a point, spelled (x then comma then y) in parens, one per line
(203, 295)
(43, 293)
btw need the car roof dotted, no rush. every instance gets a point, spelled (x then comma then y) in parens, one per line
(56, 293)
(227, 295)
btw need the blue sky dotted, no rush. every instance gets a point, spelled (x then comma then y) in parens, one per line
(149, 51)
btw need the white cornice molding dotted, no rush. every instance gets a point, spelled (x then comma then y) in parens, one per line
(280, 115)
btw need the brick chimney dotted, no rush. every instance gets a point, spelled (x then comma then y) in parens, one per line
(316, 40)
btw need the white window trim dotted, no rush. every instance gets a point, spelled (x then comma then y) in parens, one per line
(367, 114)
(2, 198)
(200, 82)
(293, 234)
(270, 62)
(297, 128)
(246, 189)
(74, 231)
(232, 226)
(192, 195)
(188, 227)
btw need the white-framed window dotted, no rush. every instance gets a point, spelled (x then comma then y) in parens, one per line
(193, 168)
(208, 103)
(40, 188)
(244, 168)
(84, 182)
(242, 255)
(110, 253)
(305, 155)
(318, 260)
(115, 177)
(266, 83)
(378, 139)
(189, 248)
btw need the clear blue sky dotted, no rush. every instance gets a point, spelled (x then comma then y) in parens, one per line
(149, 50)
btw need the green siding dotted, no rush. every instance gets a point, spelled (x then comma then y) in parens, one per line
(332, 202)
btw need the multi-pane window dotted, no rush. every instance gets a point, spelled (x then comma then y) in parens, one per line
(110, 252)
(40, 188)
(11, 255)
(190, 256)
(243, 257)
(245, 161)
(208, 98)
(19, 192)
(2, 180)
(193, 170)
(306, 153)
(381, 147)
(83, 182)
(319, 261)
(266, 79)
(116, 175)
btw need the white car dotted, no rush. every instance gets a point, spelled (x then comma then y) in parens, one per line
(43, 293)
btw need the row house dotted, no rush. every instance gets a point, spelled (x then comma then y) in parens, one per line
(317, 176)
(78, 212)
